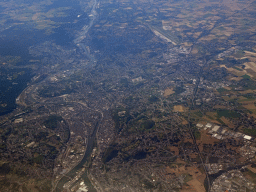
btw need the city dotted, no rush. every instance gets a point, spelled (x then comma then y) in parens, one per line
(130, 96)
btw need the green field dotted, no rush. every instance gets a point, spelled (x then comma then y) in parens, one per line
(227, 113)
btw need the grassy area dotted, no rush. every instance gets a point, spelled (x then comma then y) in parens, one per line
(52, 91)
(251, 132)
(218, 119)
(38, 160)
(239, 54)
(199, 114)
(179, 90)
(246, 77)
(197, 135)
(237, 68)
(249, 96)
(247, 84)
(153, 99)
(221, 90)
(251, 174)
(210, 117)
(110, 153)
(252, 111)
(147, 124)
(5, 169)
(227, 113)
(52, 121)
(242, 100)
(188, 178)
(148, 184)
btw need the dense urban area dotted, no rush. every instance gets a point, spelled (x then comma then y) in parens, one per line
(125, 96)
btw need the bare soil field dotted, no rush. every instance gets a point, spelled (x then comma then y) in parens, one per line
(168, 91)
(179, 108)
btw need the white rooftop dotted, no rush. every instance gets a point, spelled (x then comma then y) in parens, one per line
(199, 125)
(223, 131)
(218, 136)
(20, 120)
(208, 125)
(248, 137)
(31, 144)
(216, 128)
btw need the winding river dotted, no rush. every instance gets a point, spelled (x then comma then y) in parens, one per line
(72, 173)
(91, 140)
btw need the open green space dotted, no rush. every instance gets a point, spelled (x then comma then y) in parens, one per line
(246, 77)
(227, 113)
(52, 121)
(221, 90)
(251, 132)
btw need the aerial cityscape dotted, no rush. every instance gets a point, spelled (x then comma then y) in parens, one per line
(128, 96)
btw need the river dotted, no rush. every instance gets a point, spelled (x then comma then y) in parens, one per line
(82, 34)
(91, 140)
(72, 173)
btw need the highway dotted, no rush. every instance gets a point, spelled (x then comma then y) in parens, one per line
(191, 130)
